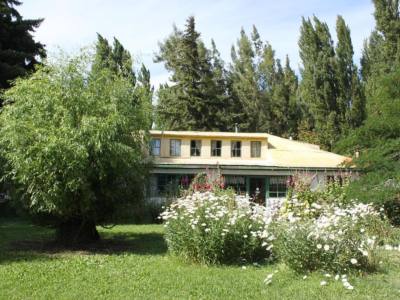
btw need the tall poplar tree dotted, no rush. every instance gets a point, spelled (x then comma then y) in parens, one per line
(115, 57)
(245, 87)
(118, 60)
(350, 92)
(382, 50)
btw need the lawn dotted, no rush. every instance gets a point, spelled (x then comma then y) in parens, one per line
(132, 262)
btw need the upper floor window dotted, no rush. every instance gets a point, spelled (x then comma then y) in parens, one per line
(175, 147)
(195, 147)
(155, 147)
(216, 148)
(236, 148)
(255, 149)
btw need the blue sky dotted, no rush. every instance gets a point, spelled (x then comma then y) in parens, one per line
(140, 25)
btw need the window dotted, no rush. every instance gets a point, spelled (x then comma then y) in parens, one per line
(216, 148)
(170, 184)
(155, 147)
(175, 147)
(195, 147)
(236, 148)
(277, 186)
(255, 149)
(238, 183)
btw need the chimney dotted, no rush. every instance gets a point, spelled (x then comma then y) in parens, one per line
(290, 138)
(236, 128)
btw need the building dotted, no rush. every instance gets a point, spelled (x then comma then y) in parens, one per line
(256, 164)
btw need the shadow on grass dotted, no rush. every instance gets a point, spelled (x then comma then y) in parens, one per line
(25, 247)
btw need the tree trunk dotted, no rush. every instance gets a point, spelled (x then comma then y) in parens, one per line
(77, 231)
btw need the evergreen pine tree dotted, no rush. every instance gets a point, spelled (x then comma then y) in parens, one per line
(18, 51)
(196, 98)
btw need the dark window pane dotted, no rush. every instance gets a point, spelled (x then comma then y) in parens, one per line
(216, 148)
(195, 147)
(236, 148)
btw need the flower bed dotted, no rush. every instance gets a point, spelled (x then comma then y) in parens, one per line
(218, 228)
(337, 239)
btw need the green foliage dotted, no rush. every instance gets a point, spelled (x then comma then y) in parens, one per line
(195, 100)
(73, 140)
(115, 58)
(18, 51)
(378, 142)
(264, 93)
(330, 88)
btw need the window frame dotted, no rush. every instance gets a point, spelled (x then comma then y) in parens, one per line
(173, 147)
(152, 146)
(280, 187)
(258, 153)
(236, 152)
(196, 150)
(216, 148)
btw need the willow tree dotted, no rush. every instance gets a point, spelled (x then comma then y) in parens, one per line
(73, 143)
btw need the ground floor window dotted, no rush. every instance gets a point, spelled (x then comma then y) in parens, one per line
(277, 186)
(238, 183)
(170, 184)
(273, 186)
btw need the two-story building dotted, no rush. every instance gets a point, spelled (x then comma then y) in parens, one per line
(256, 164)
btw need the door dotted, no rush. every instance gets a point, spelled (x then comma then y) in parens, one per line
(257, 189)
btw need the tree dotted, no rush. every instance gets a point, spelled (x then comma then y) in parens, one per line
(350, 92)
(116, 58)
(19, 53)
(264, 92)
(73, 143)
(378, 139)
(193, 101)
(145, 89)
(319, 82)
(378, 142)
(245, 89)
(330, 89)
(382, 50)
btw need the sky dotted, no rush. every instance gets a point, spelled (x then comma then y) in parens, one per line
(141, 25)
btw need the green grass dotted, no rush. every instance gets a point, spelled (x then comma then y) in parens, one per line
(132, 263)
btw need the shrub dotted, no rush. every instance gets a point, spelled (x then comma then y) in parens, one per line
(338, 238)
(72, 142)
(392, 210)
(208, 228)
